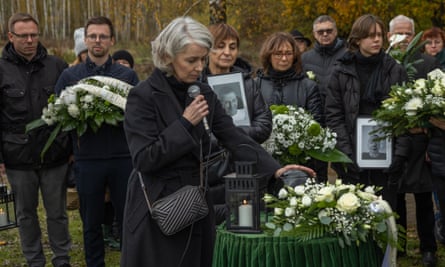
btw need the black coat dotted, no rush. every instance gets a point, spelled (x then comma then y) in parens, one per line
(25, 89)
(416, 177)
(321, 60)
(436, 151)
(343, 98)
(292, 89)
(167, 154)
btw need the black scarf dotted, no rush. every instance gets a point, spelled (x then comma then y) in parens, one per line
(370, 85)
(179, 89)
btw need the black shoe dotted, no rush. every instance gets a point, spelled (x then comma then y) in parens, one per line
(65, 265)
(438, 230)
(429, 259)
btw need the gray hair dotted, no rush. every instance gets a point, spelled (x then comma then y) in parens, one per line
(175, 37)
(324, 18)
(400, 18)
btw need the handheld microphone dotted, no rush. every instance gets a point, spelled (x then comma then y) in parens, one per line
(193, 92)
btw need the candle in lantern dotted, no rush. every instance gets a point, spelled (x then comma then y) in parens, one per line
(245, 214)
(3, 219)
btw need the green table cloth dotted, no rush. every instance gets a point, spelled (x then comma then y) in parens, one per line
(260, 250)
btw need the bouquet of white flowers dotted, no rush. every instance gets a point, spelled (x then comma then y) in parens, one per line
(90, 103)
(351, 213)
(411, 105)
(296, 137)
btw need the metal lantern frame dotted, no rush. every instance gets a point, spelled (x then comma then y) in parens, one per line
(8, 207)
(244, 185)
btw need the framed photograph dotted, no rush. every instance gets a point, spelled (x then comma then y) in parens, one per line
(372, 152)
(230, 91)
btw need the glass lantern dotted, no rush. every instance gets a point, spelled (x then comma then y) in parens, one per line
(8, 217)
(244, 193)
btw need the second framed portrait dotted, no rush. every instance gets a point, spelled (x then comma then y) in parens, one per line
(230, 91)
(373, 151)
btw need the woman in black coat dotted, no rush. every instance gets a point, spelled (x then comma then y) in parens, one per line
(223, 59)
(358, 84)
(165, 133)
(282, 82)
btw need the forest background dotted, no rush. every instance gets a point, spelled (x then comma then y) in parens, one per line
(138, 22)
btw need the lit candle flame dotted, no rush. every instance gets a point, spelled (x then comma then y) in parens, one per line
(244, 202)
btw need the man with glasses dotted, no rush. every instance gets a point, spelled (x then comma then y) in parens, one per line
(101, 158)
(27, 78)
(320, 60)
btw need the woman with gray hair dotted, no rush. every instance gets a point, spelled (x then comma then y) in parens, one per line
(167, 139)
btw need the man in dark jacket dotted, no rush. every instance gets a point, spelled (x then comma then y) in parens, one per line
(102, 158)
(327, 50)
(413, 173)
(27, 78)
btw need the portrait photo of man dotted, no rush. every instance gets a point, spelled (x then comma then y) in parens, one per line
(233, 102)
(372, 145)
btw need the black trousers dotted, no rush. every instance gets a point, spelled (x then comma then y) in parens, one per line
(424, 219)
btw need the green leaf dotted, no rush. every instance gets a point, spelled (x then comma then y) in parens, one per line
(333, 155)
(34, 124)
(50, 140)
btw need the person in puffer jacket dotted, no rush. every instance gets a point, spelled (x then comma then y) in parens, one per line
(282, 82)
(436, 153)
(223, 58)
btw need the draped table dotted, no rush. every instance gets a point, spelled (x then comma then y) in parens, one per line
(260, 250)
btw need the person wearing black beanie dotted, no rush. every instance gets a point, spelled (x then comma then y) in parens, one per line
(123, 57)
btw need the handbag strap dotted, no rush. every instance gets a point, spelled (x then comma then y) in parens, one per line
(144, 190)
(201, 177)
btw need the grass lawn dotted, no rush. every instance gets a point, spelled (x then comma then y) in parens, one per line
(11, 256)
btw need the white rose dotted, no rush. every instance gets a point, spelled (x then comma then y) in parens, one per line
(306, 201)
(325, 194)
(293, 202)
(289, 212)
(348, 202)
(299, 190)
(278, 211)
(282, 193)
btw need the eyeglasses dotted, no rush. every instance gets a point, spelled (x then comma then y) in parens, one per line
(102, 37)
(26, 36)
(435, 42)
(404, 33)
(280, 55)
(327, 31)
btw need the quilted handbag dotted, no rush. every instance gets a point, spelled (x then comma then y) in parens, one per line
(178, 210)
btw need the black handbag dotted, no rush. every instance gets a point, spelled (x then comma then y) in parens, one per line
(178, 210)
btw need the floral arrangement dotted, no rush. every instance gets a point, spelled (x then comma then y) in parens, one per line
(88, 104)
(352, 213)
(296, 137)
(411, 104)
(406, 57)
